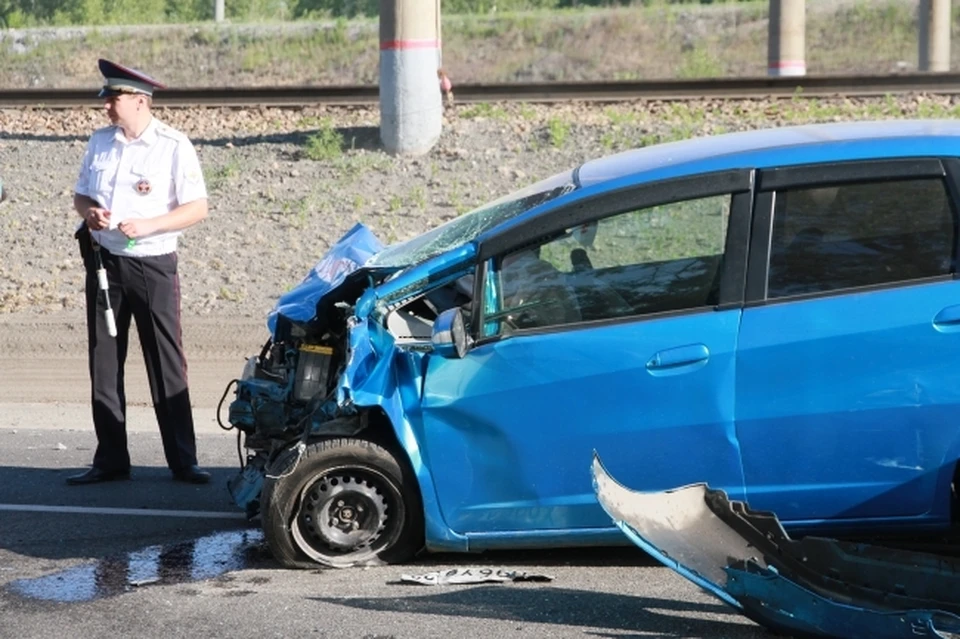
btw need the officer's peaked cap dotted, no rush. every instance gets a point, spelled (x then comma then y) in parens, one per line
(120, 79)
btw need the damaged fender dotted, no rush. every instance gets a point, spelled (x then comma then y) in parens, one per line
(380, 373)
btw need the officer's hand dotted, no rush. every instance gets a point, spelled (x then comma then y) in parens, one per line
(97, 218)
(137, 228)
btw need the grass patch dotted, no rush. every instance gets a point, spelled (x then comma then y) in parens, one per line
(324, 145)
(298, 211)
(231, 295)
(558, 131)
(699, 63)
(641, 41)
(355, 163)
(418, 198)
(217, 178)
(484, 110)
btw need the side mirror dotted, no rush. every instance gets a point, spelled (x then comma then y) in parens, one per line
(449, 337)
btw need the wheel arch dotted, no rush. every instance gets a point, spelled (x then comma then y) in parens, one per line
(398, 436)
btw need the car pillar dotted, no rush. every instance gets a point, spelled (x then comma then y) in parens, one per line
(411, 109)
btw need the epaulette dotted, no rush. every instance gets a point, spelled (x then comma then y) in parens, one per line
(168, 132)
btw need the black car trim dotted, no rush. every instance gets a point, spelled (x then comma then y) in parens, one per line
(952, 168)
(812, 175)
(857, 290)
(758, 262)
(475, 329)
(612, 321)
(733, 275)
(576, 177)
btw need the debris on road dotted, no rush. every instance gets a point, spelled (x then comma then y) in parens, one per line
(810, 587)
(456, 576)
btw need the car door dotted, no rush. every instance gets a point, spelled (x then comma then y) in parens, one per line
(846, 393)
(609, 324)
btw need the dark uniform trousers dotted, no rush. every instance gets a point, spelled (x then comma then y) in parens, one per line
(146, 289)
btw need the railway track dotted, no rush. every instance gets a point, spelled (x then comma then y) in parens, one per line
(672, 90)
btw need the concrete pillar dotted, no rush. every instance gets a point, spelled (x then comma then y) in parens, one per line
(786, 43)
(218, 10)
(934, 21)
(411, 111)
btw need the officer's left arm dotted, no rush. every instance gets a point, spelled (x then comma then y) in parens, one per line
(190, 187)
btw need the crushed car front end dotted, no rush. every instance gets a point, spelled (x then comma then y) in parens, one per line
(331, 465)
(284, 392)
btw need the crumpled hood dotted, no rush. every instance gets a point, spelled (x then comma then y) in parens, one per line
(346, 256)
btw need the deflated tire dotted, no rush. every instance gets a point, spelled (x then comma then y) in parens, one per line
(341, 503)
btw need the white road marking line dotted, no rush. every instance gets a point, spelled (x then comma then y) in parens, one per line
(143, 512)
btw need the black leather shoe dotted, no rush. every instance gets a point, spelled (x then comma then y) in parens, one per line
(97, 475)
(192, 475)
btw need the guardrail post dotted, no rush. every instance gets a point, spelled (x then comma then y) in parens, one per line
(218, 10)
(934, 23)
(411, 111)
(786, 43)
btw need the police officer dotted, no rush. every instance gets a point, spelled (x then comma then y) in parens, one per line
(140, 186)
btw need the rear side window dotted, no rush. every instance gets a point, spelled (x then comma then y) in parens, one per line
(852, 235)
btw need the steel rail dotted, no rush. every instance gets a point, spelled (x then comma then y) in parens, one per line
(346, 95)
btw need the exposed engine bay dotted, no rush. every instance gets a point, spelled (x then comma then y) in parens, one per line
(289, 392)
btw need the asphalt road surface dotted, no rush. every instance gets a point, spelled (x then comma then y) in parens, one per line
(155, 558)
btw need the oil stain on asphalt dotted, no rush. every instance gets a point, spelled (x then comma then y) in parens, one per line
(196, 560)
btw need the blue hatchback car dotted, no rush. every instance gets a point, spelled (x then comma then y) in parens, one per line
(774, 313)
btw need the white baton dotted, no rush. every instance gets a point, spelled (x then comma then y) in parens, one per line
(105, 287)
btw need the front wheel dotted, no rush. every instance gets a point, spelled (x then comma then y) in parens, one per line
(342, 503)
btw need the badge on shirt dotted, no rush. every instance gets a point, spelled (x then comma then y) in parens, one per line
(143, 187)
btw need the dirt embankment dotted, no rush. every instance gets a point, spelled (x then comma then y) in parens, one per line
(843, 36)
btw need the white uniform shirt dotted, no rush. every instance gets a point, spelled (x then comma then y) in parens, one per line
(141, 178)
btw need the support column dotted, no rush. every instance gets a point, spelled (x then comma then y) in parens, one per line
(786, 42)
(934, 21)
(411, 111)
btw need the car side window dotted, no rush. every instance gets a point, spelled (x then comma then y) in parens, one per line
(860, 234)
(650, 260)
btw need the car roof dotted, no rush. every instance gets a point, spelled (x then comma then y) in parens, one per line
(782, 146)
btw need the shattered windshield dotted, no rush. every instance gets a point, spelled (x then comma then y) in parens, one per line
(471, 225)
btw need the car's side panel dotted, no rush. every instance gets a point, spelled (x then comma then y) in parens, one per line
(508, 428)
(847, 401)
(847, 405)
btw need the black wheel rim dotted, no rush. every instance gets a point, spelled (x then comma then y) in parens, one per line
(346, 514)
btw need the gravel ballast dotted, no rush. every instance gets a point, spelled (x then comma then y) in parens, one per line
(274, 211)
